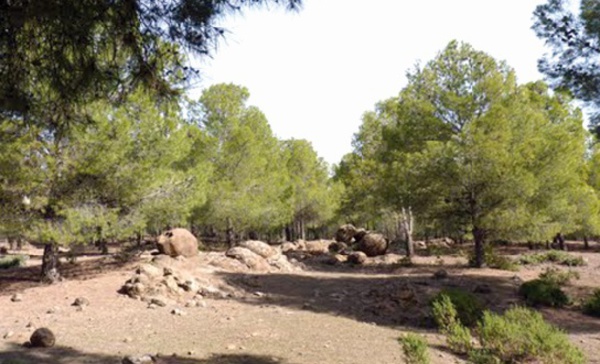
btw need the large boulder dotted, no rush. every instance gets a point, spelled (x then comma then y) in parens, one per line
(260, 248)
(178, 242)
(373, 244)
(249, 258)
(345, 233)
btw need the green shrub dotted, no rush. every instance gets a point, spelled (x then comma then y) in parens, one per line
(522, 335)
(447, 318)
(415, 349)
(10, 261)
(466, 305)
(553, 256)
(543, 293)
(556, 276)
(592, 305)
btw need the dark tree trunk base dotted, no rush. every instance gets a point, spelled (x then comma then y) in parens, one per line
(50, 265)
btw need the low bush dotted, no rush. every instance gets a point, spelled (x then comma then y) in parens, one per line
(447, 318)
(539, 292)
(468, 308)
(558, 277)
(522, 335)
(415, 349)
(494, 260)
(591, 306)
(11, 261)
(552, 256)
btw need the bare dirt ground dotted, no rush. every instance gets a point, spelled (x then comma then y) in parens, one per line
(321, 314)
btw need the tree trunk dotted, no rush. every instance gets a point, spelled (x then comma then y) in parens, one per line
(586, 243)
(407, 226)
(50, 264)
(11, 243)
(560, 240)
(229, 234)
(479, 236)
(302, 229)
(19, 243)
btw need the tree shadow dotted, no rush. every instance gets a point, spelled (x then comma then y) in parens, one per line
(17, 279)
(17, 354)
(390, 299)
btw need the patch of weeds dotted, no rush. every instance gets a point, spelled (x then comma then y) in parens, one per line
(552, 256)
(11, 261)
(540, 292)
(494, 260)
(415, 350)
(458, 336)
(558, 277)
(467, 306)
(521, 335)
(591, 306)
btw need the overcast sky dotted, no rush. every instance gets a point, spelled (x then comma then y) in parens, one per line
(315, 72)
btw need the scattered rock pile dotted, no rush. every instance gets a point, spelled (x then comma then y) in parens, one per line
(256, 256)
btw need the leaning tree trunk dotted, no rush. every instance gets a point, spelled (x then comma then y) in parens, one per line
(407, 226)
(50, 264)
(479, 235)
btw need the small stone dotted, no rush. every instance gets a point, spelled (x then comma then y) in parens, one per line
(143, 359)
(127, 340)
(152, 306)
(231, 347)
(158, 302)
(30, 325)
(259, 294)
(167, 271)
(8, 334)
(17, 297)
(177, 312)
(81, 301)
(42, 338)
(191, 352)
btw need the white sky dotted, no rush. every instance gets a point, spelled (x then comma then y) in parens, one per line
(315, 72)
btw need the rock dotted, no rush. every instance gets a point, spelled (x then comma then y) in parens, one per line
(281, 262)
(177, 312)
(158, 301)
(171, 284)
(149, 270)
(142, 359)
(260, 248)
(17, 297)
(345, 233)
(337, 247)
(440, 274)
(357, 258)
(373, 244)
(81, 301)
(337, 259)
(317, 247)
(288, 247)
(359, 234)
(178, 242)
(42, 338)
(8, 335)
(249, 258)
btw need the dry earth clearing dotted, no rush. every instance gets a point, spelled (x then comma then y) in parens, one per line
(317, 314)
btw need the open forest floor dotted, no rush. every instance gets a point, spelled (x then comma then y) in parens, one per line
(318, 313)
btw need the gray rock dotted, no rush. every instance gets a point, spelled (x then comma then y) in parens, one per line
(17, 297)
(42, 338)
(81, 301)
(141, 359)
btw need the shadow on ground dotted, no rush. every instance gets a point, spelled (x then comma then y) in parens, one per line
(394, 300)
(61, 355)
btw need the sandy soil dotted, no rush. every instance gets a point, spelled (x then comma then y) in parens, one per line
(319, 315)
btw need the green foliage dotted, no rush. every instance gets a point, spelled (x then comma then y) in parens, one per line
(552, 256)
(540, 292)
(494, 260)
(522, 335)
(10, 261)
(591, 306)
(415, 349)
(446, 316)
(558, 277)
(465, 307)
